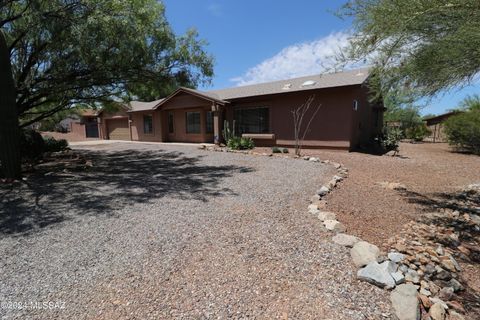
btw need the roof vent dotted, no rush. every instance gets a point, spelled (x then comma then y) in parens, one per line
(308, 83)
(287, 86)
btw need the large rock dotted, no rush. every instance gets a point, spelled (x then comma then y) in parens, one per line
(437, 312)
(334, 225)
(323, 191)
(378, 274)
(405, 302)
(363, 253)
(345, 239)
(396, 256)
(326, 215)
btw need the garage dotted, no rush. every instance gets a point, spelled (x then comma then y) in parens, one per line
(118, 129)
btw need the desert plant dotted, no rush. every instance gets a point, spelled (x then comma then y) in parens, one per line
(463, 130)
(276, 150)
(285, 150)
(299, 113)
(390, 140)
(417, 132)
(227, 132)
(246, 143)
(32, 145)
(53, 145)
(240, 143)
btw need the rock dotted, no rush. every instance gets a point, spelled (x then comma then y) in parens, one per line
(313, 159)
(334, 225)
(403, 268)
(430, 268)
(337, 178)
(446, 293)
(323, 191)
(425, 301)
(457, 286)
(315, 198)
(412, 276)
(345, 239)
(405, 302)
(325, 215)
(398, 277)
(456, 306)
(440, 301)
(321, 204)
(453, 315)
(448, 264)
(425, 292)
(443, 275)
(440, 250)
(377, 274)
(396, 257)
(363, 253)
(437, 312)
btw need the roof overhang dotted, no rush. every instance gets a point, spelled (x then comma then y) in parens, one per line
(192, 92)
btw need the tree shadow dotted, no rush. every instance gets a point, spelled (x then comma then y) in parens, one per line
(116, 180)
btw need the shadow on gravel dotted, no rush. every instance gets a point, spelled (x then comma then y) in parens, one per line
(117, 179)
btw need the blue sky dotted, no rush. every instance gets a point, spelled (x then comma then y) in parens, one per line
(266, 40)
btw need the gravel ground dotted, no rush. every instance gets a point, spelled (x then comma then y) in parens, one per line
(170, 232)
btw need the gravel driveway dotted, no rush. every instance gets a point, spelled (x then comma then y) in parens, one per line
(158, 231)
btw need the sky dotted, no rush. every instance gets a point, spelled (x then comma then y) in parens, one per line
(267, 40)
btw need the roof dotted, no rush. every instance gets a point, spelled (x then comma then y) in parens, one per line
(318, 81)
(441, 117)
(222, 96)
(88, 113)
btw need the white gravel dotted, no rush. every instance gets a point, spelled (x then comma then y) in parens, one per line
(171, 232)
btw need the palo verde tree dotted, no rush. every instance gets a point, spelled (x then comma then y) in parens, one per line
(429, 46)
(70, 52)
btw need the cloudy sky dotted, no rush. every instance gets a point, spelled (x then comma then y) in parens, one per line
(265, 40)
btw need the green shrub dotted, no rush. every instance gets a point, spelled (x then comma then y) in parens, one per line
(53, 145)
(389, 141)
(285, 150)
(276, 150)
(463, 131)
(417, 132)
(246, 143)
(240, 143)
(32, 144)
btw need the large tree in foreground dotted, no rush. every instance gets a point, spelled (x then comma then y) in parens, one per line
(68, 52)
(426, 46)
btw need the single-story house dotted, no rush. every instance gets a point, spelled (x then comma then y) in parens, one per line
(436, 126)
(262, 111)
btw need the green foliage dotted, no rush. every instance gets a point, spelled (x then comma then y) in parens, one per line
(276, 150)
(417, 132)
(426, 45)
(53, 145)
(285, 150)
(240, 143)
(390, 140)
(470, 103)
(95, 52)
(32, 145)
(227, 133)
(463, 130)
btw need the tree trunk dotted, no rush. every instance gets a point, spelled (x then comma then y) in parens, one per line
(9, 129)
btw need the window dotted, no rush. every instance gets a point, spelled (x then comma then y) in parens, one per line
(252, 120)
(170, 122)
(148, 124)
(355, 105)
(209, 122)
(193, 122)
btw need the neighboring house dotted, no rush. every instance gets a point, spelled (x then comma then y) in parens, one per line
(83, 125)
(436, 126)
(263, 112)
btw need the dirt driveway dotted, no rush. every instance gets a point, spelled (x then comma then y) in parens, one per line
(171, 232)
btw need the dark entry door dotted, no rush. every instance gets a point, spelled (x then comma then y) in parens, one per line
(91, 128)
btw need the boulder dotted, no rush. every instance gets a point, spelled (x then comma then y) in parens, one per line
(323, 191)
(405, 302)
(325, 215)
(437, 312)
(363, 253)
(398, 277)
(345, 239)
(396, 256)
(334, 225)
(378, 274)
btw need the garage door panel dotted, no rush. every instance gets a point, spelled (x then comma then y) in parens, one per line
(118, 129)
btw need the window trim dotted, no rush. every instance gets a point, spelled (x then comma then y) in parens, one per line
(199, 124)
(236, 108)
(152, 131)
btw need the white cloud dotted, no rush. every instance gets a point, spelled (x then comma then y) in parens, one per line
(297, 60)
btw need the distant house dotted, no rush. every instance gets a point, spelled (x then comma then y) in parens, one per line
(83, 125)
(263, 112)
(436, 126)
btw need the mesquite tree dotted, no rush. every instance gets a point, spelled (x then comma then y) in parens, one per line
(9, 130)
(299, 112)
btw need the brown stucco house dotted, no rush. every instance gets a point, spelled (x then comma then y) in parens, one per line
(263, 112)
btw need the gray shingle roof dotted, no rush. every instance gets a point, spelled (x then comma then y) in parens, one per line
(142, 106)
(319, 81)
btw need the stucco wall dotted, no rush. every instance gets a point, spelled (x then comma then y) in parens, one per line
(137, 124)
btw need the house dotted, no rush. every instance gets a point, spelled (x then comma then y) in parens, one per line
(83, 125)
(435, 124)
(262, 112)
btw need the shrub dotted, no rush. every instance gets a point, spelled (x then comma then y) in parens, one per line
(417, 132)
(389, 141)
(53, 145)
(285, 150)
(246, 143)
(463, 131)
(276, 150)
(240, 143)
(32, 144)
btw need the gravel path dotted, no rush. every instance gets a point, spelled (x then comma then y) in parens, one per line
(170, 232)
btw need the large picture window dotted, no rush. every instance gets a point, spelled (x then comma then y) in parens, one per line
(193, 122)
(147, 124)
(209, 122)
(252, 120)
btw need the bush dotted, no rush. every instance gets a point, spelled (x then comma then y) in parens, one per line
(276, 150)
(53, 145)
(240, 143)
(417, 132)
(389, 141)
(285, 150)
(463, 131)
(32, 144)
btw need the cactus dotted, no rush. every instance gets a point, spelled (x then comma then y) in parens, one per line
(227, 132)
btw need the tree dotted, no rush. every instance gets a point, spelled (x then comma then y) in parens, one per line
(428, 46)
(299, 113)
(69, 52)
(9, 130)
